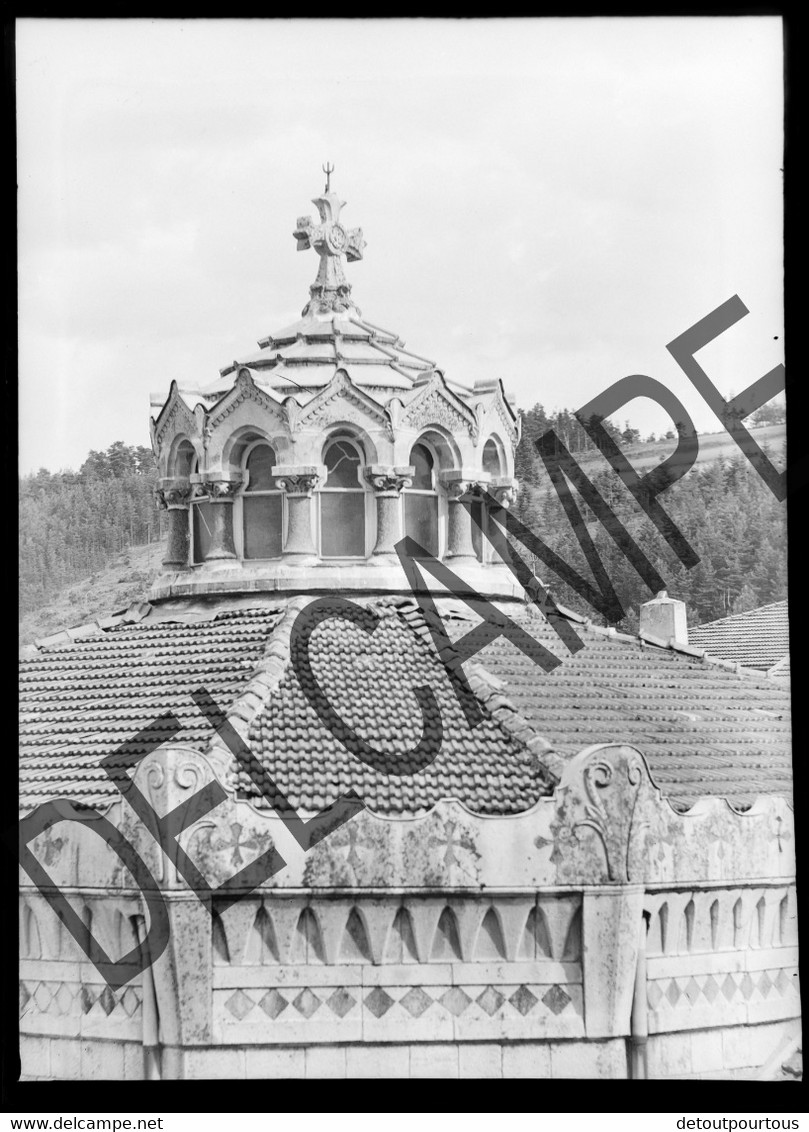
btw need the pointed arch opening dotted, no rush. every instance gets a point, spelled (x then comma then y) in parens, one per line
(355, 947)
(201, 518)
(447, 943)
(342, 500)
(262, 503)
(421, 498)
(493, 464)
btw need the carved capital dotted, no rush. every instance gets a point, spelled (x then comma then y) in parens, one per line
(173, 494)
(458, 482)
(504, 489)
(217, 487)
(300, 479)
(383, 478)
(223, 491)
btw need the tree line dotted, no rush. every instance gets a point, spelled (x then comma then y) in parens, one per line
(73, 523)
(724, 510)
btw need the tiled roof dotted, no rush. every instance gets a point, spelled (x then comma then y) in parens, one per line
(758, 638)
(704, 727)
(780, 671)
(81, 699)
(369, 681)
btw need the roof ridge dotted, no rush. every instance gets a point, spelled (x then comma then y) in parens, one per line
(742, 613)
(488, 689)
(671, 644)
(135, 612)
(266, 677)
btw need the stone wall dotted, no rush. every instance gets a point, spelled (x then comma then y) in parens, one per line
(447, 944)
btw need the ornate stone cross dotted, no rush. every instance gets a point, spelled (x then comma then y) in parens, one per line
(330, 290)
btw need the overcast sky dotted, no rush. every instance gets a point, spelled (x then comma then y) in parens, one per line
(546, 201)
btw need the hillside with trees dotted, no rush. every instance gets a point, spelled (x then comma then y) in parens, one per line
(90, 541)
(722, 507)
(74, 523)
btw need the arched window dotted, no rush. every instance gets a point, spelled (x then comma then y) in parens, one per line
(342, 502)
(262, 504)
(491, 459)
(201, 525)
(421, 500)
(494, 466)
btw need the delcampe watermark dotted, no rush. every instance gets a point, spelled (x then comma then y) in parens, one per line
(504, 532)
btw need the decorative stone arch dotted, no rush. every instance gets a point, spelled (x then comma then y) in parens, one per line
(493, 441)
(174, 420)
(341, 400)
(509, 421)
(354, 430)
(436, 404)
(443, 444)
(243, 407)
(238, 441)
(181, 456)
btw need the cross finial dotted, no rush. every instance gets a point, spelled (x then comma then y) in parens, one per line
(332, 242)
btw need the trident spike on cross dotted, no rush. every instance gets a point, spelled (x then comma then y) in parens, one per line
(328, 170)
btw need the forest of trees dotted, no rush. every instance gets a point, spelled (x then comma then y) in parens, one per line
(724, 510)
(72, 524)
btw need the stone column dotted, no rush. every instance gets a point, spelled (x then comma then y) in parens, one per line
(174, 496)
(460, 483)
(220, 489)
(388, 483)
(298, 482)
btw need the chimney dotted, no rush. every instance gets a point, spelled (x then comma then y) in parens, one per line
(664, 617)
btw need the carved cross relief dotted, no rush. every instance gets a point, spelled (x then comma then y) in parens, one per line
(331, 241)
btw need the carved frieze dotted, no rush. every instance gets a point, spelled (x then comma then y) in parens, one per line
(174, 418)
(340, 400)
(244, 389)
(437, 406)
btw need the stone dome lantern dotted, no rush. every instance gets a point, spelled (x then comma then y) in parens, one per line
(302, 465)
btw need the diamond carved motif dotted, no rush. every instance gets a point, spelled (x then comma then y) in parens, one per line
(490, 1000)
(653, 995)
(239, 1004)
(729, 987)
(273, 1003)
(130, 1001)
(25, 996)
(765, 985)
(673, 992)
(556, 999)
(523, 1000)
(455, 1000)
(692, 991)
(87, 999)
(306, 1003)
(710, 988)
(783, 982)
(107, 1001)
(64, 998)
(42, 997)
(340, 1002)
(415, 1002)
(378, 1002)
(747, 986)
